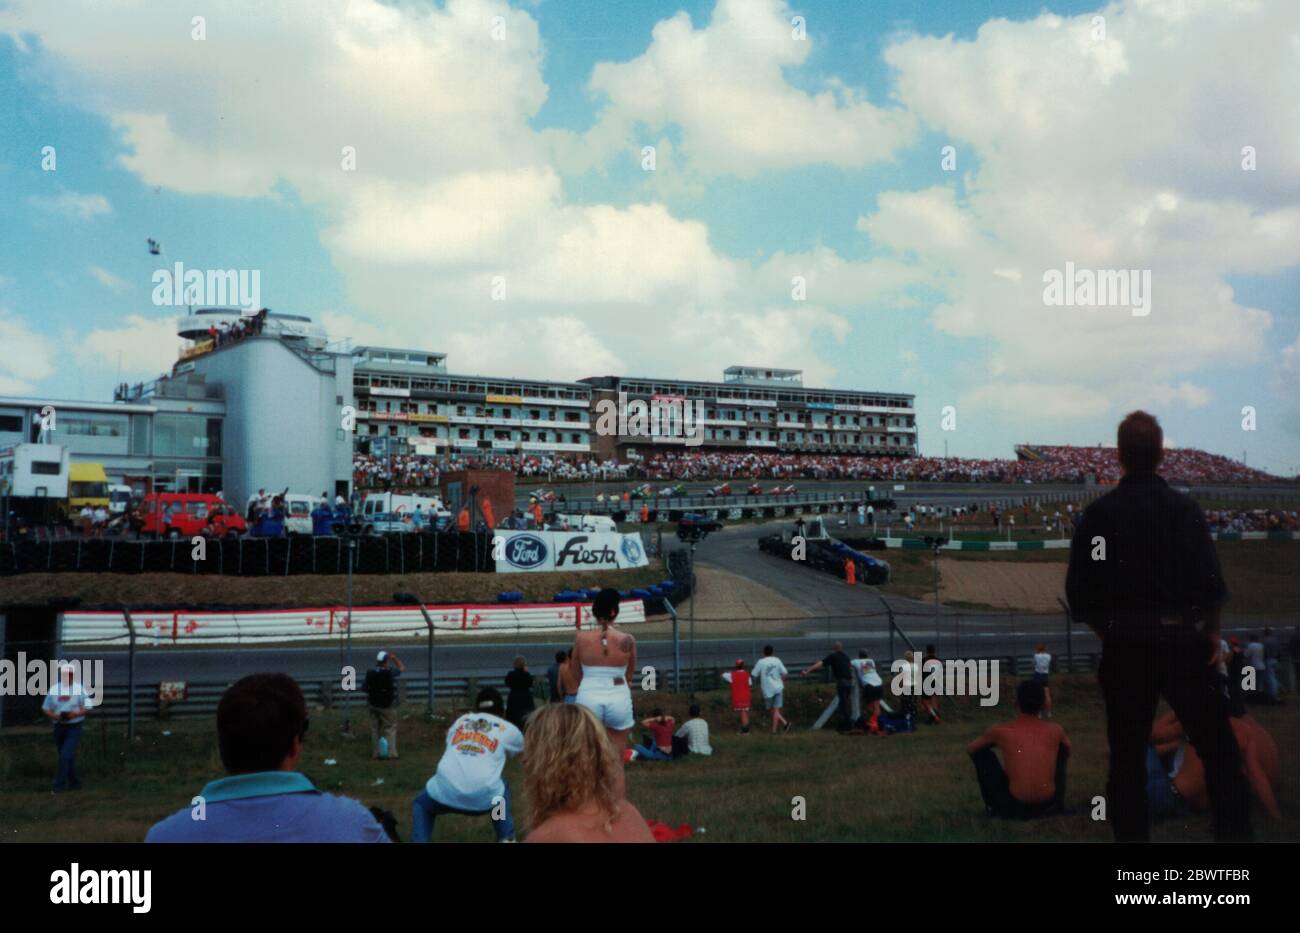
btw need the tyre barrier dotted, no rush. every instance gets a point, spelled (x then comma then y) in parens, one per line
(256, 557)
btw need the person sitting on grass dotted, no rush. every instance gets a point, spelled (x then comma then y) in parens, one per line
(693, 736)
(739, 679)
(574, 781)
(1176, 775)
(1030, 780)
(261, 723)
(658, 745)
(468, 779)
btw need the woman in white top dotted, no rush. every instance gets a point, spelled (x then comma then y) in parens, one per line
(604, 661)
(1043, 667)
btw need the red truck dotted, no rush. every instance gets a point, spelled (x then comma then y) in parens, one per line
(192, 513)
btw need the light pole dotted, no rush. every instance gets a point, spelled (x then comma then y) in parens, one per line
(350, 532)
(411, 599)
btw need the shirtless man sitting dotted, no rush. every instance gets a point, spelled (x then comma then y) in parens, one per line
(1176, 775)
(1029, 782)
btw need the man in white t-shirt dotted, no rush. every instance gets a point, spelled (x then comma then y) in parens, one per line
(468, 779)
(871, 689)
(770, 674)
(65, 705)
(696, 733)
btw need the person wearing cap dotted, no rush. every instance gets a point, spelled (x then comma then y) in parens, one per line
(740, 693)
(65, 706)
(468, 779)
(380, 686)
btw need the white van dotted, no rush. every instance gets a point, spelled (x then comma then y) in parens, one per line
(297, 513)
(379, 502)
(119, 499)
(588, 523)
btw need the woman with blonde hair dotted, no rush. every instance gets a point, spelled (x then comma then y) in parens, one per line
(574, 781)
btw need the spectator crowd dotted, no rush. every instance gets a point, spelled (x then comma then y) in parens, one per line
(1035, 464)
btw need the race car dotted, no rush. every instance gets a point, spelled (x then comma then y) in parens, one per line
(644, 491)
(544, 495)
(723, 490)
(755, 489)
(677, 489)
(695, 526)
(775, 491)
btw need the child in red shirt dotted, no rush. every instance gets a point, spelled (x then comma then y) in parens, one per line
(740, 702)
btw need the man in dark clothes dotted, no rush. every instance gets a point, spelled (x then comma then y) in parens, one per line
(380, 687)
(1145, 577)
(841, 668)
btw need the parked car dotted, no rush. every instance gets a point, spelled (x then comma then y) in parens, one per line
(382, 523)
(192, 514)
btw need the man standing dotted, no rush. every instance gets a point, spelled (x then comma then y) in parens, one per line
(770, 674)
(380, 686)
(1145, 577)
(65, 706)
(841, 668)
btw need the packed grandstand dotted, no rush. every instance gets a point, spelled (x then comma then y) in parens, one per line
(1034, 464)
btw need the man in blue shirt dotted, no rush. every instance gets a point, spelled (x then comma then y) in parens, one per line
(261, 722)
(322, 518)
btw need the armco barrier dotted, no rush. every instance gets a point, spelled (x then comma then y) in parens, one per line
(185, 628)
(202, 698)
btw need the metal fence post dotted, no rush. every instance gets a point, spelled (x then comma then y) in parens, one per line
(1069, 635)
(130, 675)
(677, 649)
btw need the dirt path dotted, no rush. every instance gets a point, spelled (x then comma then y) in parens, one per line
(725, 597)
(1032, 587)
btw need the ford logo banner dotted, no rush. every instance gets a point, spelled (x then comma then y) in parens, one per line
(525, 552)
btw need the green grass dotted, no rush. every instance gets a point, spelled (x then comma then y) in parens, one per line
(917, 787)
(1263, 577)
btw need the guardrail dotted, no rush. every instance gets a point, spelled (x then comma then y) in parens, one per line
(202, 698)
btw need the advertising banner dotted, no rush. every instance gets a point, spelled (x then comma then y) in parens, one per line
(530, 551)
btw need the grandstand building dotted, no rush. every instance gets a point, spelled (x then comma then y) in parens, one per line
(761, 409)
(269, 401)
(408, 403)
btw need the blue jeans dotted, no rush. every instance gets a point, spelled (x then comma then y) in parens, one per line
(1164, 799)
(652, 752)
(424, 810)
(66, 738)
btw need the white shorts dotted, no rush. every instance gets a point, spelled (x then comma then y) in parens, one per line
(612, 703)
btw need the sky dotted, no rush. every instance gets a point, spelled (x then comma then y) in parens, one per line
(874, 192)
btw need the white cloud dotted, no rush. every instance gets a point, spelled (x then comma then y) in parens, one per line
(1122, 154)
(26, 357)
(142, 345)
(71, 205)
(724, 86)
(108, 279)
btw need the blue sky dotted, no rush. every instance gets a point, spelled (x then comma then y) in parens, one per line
(776, 157)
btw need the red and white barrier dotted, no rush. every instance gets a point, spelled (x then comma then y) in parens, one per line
(184, 628)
